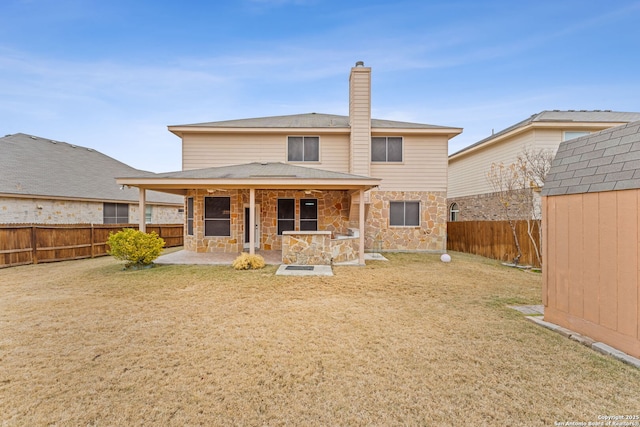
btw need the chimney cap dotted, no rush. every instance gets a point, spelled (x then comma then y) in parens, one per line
(360, 64)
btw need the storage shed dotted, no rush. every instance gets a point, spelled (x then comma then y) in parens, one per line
(591, 237)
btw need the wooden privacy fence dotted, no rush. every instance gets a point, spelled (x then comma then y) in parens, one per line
(36, 243)
(493, 239)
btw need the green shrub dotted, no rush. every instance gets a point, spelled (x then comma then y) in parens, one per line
(248, 262)
(135, 247)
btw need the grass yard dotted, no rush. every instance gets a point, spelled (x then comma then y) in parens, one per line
(411, 341)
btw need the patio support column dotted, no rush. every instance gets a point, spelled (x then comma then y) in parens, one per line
(142, 214)
(361, 226)
(252, 221)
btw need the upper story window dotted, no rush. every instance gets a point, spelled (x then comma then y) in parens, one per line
(386, 149)
(574, 134)
(404, 214)
(303, 149)
(217, 216)
(115, 213)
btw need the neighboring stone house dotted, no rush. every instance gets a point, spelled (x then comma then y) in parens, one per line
(471, 196)
(381, 182)
(43, 181)
(591, 223)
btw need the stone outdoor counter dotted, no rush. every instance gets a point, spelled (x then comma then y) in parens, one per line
(317, 248)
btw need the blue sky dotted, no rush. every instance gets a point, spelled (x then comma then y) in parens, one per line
(112, 75)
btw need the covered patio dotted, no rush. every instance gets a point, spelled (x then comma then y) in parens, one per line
(312, 216)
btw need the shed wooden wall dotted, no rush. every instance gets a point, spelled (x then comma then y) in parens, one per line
(590, 256)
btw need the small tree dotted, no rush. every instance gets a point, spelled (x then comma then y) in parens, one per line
(138, 249)
(506, 181)
(516, 186)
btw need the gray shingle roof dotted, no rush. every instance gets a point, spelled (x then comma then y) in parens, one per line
(310, 120)
(254, 170)
(578, 116)
(36, 166)
(603, 161)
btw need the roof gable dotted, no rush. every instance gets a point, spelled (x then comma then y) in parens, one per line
(603, 161)
(35, 166)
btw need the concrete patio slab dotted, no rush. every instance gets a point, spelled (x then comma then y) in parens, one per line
(217, 258)
(304, 270)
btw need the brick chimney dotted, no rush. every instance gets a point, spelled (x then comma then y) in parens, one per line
(360, 119)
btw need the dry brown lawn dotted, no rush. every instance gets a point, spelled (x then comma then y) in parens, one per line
(409, 342)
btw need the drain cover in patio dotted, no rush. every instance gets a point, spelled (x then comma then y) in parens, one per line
(300, 267)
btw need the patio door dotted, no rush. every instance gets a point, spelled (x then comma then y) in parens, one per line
(256, 225)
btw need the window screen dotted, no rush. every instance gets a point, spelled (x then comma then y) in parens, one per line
(386, 149)
(217, 216)
(190, 216)
(404, 214)
(286, 215)
(115, 213)
(303, 148)
(308, 214)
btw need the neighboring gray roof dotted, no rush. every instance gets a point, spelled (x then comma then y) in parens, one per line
(578, 116)
(254, 170)
(310, 120)
(36, 166)
(603, 161)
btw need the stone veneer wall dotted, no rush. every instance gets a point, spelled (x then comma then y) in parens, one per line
(487, 207)
(430, 236)
(333, 212)
(201, 243)
(318, 249)
(333, 215)
(51, 211)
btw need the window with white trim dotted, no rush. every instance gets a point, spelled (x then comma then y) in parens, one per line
(148, 214)
(386, 149)
(574, 134)
(303, 148)
(453, 212)
(404, 214)
(217, 216)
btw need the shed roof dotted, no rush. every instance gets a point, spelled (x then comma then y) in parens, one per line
(603, 161)
(41, 167)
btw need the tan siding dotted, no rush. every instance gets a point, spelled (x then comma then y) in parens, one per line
(468, 175)
(360, 120)
(204, 151)
(597, 254)
(424, 167)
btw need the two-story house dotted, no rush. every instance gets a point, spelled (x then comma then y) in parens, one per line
(471, 197)
(250, 183)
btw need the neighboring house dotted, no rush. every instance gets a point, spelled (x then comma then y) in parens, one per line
(380, 180)
(591, 223)
(470, 195)
(43, 181)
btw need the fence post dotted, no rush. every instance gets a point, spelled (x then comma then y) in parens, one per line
(34, 242)
(93, 242)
